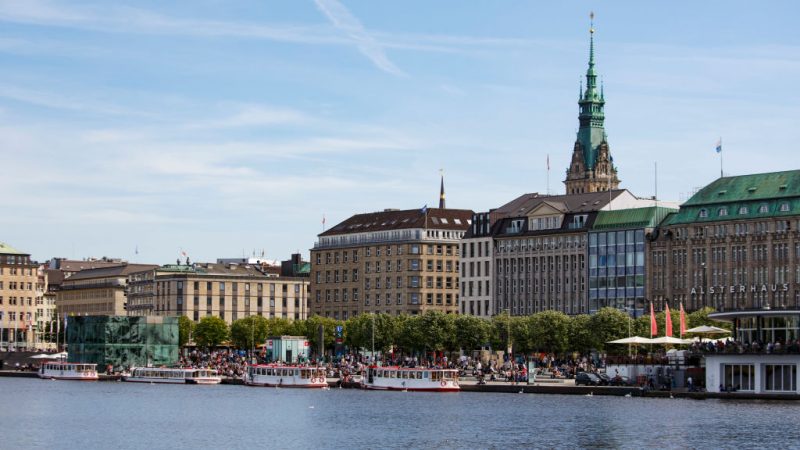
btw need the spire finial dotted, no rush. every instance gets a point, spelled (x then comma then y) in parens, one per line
(441, 190)
(591, 38)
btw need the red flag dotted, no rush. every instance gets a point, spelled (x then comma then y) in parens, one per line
(668, 321)
(653, 325)
(683, 321)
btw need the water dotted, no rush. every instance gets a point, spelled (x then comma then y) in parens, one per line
(66, 414)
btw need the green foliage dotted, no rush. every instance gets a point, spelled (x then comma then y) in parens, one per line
(185, 328)
(210, 332)
(249, 332)
(581, 335)
(609, 324)
(311, 328)
(549, 331)
(499, 326)
(471, 332)
(437, 330)
(700, 317)
(278, 326)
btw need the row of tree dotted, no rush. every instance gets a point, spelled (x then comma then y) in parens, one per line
(548, 331)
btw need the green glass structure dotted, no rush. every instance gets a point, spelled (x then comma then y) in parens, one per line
(123, 341)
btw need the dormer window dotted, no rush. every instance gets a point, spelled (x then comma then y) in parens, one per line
(703, 213)
(763, 208)
(723, 211)
(743, 210)
(785, 207)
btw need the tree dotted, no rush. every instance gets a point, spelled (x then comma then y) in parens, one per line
(700, 317)
(471, 332)
(499, 326)
(609, 324)
(278, 326)
(249, 332)
(550, 331)
(581, 336)
(439, 330)
(185, 328)
(210, 332)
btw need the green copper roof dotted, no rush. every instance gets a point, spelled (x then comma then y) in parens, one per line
(753, 196)
(647, 217)
(6, 249)
(591, 132)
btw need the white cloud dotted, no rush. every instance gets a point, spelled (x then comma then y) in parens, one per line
(367, 45)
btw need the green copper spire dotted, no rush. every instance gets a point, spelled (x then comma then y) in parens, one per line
(591, 117)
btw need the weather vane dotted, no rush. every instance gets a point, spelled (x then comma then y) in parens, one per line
(591, 21)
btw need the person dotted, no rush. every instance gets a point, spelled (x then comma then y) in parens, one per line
(690, 384)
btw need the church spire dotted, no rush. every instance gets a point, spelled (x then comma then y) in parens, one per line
(591, 159)
(441, 192)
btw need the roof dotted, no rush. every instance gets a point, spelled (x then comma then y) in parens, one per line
(226, 270)
(75, 265)
(754, 196)
(760, 186)
(107, 272)
(647, 217)
(437, 219)
(6, 249)
(585, 202)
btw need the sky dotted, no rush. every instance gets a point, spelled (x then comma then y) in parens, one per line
(223, 128)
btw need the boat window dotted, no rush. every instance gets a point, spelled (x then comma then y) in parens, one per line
(424, 374)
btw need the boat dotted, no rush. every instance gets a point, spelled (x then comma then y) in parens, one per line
(68, 371)
(411, 379)
(285, 376)
(168, 375)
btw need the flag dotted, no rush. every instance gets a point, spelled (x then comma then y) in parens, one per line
(667, 321)
(183, 253)
(653, 325)
(323, 220)
(424, 209)
(719, 145)
(683, 321)
(548, 161)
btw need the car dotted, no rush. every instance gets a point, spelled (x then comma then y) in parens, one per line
(622, 381)
(605, 380)
(587, 379)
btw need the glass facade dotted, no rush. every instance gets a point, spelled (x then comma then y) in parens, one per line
(767, 329)
(123, 341)
(616, 271)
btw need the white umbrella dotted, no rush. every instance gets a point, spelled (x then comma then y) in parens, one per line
(632, 340)
(44, 356)
(706, 329)
(62, 355)
(670, 340)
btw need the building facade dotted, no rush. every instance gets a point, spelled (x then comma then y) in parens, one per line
(617, 263)
(230, 291)
(18, 298)
(97, 292)
(477, 267)
(734, 245)
(394, 262)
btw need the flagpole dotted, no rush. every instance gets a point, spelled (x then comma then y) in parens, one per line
(548, 174)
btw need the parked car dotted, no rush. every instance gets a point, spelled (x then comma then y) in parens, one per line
(622, 381)
(587, 379)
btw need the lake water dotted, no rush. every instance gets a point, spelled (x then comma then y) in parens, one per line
(113, 415)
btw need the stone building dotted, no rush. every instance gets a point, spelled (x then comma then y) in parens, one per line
(733, 246)
(592, 167)
(97, 292)
(477, 267)
(394, 262)
(230, 291)
(18, 294)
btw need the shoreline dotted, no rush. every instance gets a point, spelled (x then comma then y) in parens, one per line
(538, 388)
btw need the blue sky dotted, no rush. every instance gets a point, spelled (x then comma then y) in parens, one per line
(224, 127)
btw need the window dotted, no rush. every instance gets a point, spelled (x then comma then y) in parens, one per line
(785, 207)
(743, 210)
(723, 211)
(738, 376)
(780, 377)
(763, 208)
(703, 213)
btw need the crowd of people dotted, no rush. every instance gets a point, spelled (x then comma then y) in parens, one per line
(756, 346)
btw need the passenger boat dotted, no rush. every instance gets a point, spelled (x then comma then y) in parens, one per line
(172, 376)
(68, 371)
(285, 376)
(411, 379)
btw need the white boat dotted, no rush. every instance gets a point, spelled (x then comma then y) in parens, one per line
(68, 371)
(172, 376)
(411, 379)
(285, 376)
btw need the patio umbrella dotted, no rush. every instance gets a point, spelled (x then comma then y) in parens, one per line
(707, 329)
(670, 340)
(44, 356)
(632, 340)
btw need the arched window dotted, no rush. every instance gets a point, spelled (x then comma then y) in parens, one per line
(723, 211)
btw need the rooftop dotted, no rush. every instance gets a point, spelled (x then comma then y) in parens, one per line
(6, 249)
(760, 186)
(107, 272)
(388, 220)
(648, 217)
